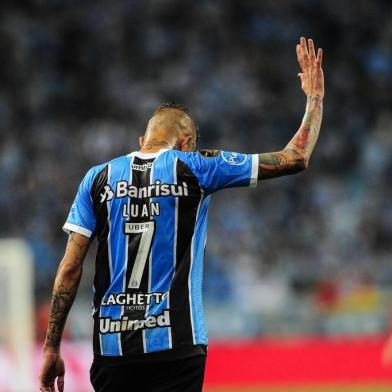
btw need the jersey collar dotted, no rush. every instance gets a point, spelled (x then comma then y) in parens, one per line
(144, 155)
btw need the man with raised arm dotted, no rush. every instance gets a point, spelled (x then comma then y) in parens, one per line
(148, 211)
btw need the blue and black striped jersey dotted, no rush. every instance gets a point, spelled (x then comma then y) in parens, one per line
(149, 214)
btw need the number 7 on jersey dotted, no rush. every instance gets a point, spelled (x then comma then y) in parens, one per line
(147, 230)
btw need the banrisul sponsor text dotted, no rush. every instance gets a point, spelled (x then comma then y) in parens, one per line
(124, 189)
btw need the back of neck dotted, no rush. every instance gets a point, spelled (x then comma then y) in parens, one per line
(154, 146)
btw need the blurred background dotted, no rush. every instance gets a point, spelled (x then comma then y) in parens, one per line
(307, 256)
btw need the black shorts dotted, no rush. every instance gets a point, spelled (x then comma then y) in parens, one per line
(181, 375)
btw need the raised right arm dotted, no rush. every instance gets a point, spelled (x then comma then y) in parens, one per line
(295, 156)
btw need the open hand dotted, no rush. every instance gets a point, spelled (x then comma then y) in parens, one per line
(312, 76)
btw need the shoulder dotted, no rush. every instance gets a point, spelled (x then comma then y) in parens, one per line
(198, 162)
(123, 159)
(209, 153)
(94, 171)
(194, 156)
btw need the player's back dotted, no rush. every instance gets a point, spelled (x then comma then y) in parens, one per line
(149, 213)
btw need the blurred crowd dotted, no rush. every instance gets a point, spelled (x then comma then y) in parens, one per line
(79, 80)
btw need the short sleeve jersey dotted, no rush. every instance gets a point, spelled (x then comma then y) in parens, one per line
(149, 214)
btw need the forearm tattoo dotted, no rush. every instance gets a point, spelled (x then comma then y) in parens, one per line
(62, 301)
(296, 154)
(65, 288)
(306, 137)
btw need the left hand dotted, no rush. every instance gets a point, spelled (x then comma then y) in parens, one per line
(52, 367)
(312, 75)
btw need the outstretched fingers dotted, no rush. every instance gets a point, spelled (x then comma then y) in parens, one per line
(60, 383)
(49, 388)
(305, 54)
(318, 62)
(302, 42)
(300, 57)
(311, 74)
(312, 57)
(312, 54)
(319, 59)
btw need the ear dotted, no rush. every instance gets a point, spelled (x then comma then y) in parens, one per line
(141, 141)
(186, 143)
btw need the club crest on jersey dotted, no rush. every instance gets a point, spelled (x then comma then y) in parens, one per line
(124, 189)
(234, 158)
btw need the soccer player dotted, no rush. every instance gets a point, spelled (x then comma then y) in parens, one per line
(148, 211)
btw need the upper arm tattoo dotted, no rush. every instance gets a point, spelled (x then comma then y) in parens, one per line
(77, 246)
(275, 164)
(209, 153)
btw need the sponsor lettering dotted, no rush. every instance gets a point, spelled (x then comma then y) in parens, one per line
(133, 299)
(107, 325)
(143, 167)
(124, 189)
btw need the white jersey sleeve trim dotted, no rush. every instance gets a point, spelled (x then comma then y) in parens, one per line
(68, 227)
(255, 170)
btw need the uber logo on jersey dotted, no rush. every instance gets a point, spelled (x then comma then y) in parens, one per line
(234, 158)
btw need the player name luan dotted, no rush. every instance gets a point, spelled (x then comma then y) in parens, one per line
(124, 189)
(107, 325)
(140, 211)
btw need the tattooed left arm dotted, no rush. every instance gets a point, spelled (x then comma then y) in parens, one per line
(64, 291)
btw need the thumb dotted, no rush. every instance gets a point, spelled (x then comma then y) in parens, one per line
(302, 78)
(60, 383)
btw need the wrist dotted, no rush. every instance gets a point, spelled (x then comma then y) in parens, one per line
(314, 97)
(51, 350)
